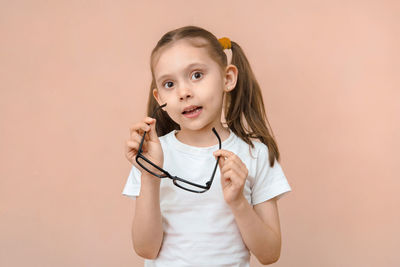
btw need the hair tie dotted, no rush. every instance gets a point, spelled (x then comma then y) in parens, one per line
(225, 43)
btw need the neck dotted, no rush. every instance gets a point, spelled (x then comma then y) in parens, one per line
(204, 137)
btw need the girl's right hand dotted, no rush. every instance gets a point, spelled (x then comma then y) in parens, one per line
(152, 149)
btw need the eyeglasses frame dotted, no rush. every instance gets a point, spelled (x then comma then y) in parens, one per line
(166, 174)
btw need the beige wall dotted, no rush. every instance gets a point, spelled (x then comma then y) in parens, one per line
(74, 76)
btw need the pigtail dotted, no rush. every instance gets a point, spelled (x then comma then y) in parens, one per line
(245, 112)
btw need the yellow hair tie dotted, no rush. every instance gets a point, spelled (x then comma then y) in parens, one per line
(225, 43)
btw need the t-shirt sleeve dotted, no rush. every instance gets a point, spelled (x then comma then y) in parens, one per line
(269, 181)
(132, 185)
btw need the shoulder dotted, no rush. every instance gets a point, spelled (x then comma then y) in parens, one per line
(164, 139)
(259, 149)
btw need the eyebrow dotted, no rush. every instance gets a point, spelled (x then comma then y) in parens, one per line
(188, 67)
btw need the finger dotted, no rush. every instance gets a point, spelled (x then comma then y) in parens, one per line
(153, 133)
(136, 137)
(138, 127)
(130, 149)
(137, 131)
(235, 175)
(229, 155)
(146, 135)
(223, 153)
(223, 156)
(235, 178)
(239, 167)
(142, 126)
(132, 144)
(228, 164)
(220, 162)
(148, 120)
(238, 161)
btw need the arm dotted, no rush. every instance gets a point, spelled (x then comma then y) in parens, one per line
(258, 226)
(260, 229)
(147, 231)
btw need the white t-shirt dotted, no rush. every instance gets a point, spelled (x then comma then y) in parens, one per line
(199, 228)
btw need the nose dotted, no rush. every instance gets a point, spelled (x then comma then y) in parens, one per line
(184, 92)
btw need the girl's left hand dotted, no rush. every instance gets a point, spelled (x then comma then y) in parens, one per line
(233, 176)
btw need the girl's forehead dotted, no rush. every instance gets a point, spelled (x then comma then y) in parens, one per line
(180, 54)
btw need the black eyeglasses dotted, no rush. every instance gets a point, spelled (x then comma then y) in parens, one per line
(179, 182)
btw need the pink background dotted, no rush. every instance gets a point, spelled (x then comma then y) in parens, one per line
(74, 76)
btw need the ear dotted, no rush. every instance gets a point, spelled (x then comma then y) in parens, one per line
(231, 74)
(157, 96)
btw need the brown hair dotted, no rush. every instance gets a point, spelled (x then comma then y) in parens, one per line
(244, 111)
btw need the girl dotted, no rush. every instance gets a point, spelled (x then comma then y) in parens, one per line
(185, 219)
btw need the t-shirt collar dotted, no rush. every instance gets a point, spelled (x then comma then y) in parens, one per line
(171, 138)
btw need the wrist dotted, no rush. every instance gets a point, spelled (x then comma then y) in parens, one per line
(150, 179)
(238, 204)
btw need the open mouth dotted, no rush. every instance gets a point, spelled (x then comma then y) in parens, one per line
(192, 111)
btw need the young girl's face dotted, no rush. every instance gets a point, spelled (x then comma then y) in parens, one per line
(186, 76)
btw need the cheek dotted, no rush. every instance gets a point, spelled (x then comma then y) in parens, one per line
(161, 96)
(173, 113)
(166, 98)
(214, 100)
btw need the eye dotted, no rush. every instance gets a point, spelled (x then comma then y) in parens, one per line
(197, 72)
(168, 83)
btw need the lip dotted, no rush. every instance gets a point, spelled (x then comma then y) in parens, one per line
(189, 108)
(193, 115)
